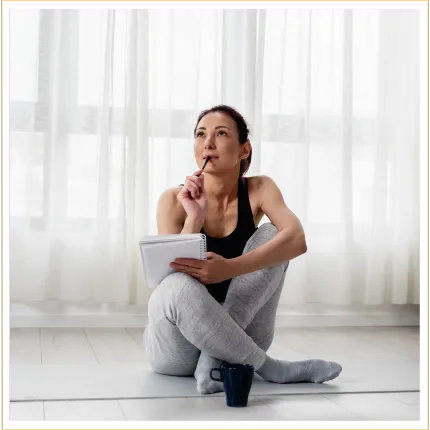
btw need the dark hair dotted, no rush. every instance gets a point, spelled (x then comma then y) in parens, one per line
(242, 128)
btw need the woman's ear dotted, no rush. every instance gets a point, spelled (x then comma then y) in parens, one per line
(246, 150)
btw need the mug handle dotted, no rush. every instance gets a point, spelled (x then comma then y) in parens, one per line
(216, 379)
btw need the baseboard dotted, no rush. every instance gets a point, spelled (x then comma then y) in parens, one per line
(356, 315)
(308, 315)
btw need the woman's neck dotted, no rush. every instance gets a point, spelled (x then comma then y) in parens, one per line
(221, 190)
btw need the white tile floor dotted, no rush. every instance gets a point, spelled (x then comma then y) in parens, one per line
(92, 346)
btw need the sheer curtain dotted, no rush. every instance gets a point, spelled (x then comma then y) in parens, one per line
(102, 108)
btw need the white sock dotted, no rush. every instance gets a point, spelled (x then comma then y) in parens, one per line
(205, 385)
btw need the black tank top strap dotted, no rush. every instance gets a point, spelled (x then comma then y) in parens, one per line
(247, 216)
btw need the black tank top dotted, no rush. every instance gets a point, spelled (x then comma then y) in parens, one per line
(232, 246)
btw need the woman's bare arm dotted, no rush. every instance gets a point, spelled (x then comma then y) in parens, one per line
(289, 242)
(171, 216)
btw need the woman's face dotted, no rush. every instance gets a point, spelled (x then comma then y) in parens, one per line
(217, 136)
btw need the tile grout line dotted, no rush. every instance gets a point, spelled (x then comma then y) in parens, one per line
(43, 410)
(134, 340)
(40, 345)
(274, 411)
(139, 345)
(91, 346)
(120, 408)
(340, 406)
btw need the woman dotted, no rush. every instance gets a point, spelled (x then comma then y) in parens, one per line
(224, 308)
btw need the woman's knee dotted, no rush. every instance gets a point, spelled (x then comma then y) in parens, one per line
(263, 234)
(268, 228)
(171, 288)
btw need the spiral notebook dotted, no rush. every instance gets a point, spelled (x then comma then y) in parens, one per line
(159, 251)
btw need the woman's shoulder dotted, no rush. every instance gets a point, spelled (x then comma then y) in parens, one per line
(258, 187)
(170, 193)
(259, 183)
(169, 200)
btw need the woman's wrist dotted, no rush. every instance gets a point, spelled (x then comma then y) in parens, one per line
(192, 225)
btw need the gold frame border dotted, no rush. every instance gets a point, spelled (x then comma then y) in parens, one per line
(4, 339)
(426, 317)
(220, 2)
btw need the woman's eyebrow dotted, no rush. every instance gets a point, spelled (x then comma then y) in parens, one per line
(218, 126)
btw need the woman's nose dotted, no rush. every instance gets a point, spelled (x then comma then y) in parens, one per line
(209, 141)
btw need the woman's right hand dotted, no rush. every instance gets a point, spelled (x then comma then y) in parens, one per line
(193, 196)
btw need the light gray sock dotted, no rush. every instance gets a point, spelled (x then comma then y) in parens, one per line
(284, 372)
(205, 385)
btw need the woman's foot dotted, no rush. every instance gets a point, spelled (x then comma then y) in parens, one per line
(205, 385)
(282, 372)
(279, 371)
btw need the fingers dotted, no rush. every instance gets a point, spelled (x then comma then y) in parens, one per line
(186, 269)
(195, 179)
(194, 184)
(189, 262)
(192, 188)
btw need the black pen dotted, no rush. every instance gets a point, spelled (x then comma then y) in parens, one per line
(204, 165)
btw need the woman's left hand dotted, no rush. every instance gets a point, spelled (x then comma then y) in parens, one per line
(211, 271)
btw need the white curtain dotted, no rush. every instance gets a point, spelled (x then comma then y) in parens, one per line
(102, 109)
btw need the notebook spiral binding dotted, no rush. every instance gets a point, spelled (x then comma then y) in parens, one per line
(203, 247)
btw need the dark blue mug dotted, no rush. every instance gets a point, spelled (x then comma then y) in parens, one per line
(237, 379)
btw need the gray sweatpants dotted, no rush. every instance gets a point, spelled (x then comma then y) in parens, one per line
(184, 319)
